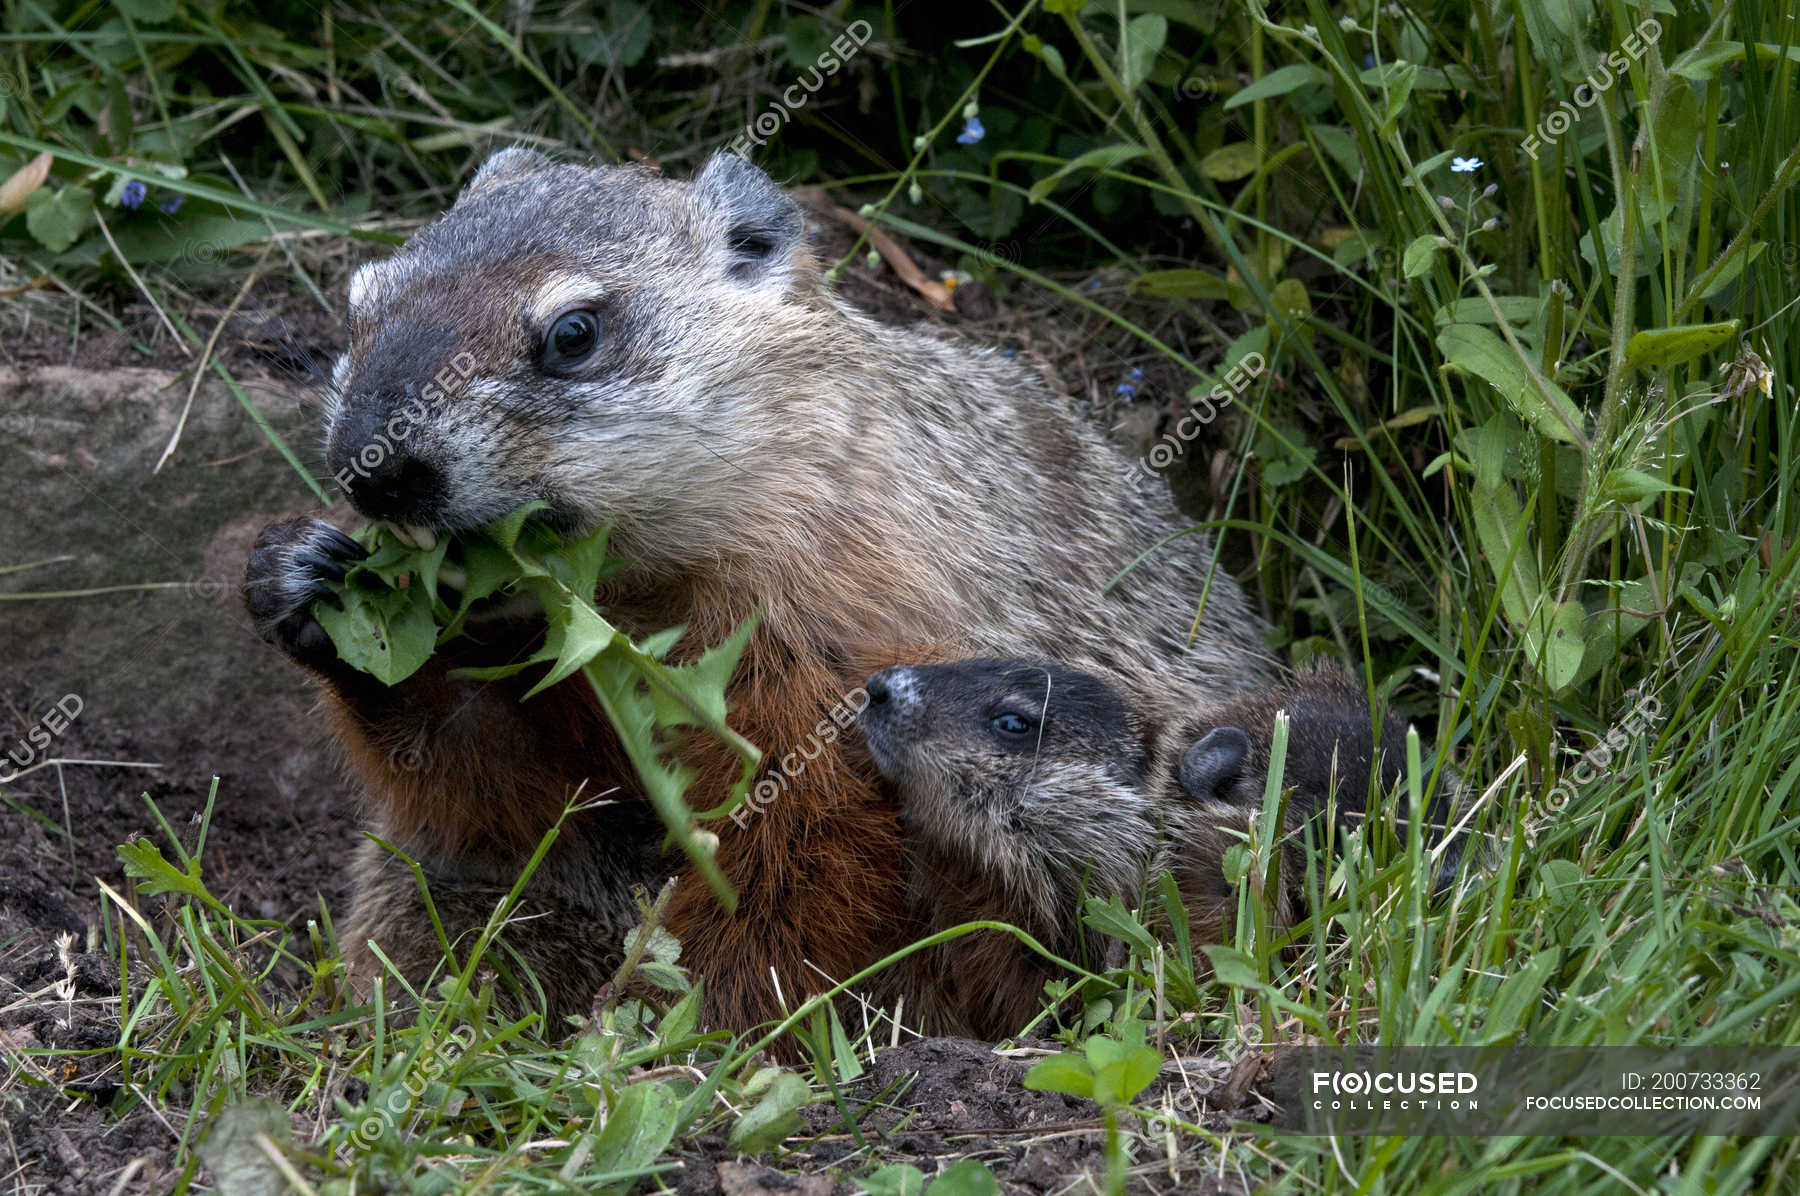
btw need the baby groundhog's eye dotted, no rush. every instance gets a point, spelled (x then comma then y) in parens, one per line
(1010, 724)
(572, 337)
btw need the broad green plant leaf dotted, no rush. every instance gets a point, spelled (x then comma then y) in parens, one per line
(1471, 349)
(1662, 347)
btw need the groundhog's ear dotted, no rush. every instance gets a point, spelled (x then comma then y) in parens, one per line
(1214, 763)
(513, 162)
(762, 225)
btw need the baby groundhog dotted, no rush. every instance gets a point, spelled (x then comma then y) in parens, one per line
(1025, 787)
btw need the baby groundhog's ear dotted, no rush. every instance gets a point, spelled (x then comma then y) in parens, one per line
(1215, 763)
(762, 225)
(513, 162)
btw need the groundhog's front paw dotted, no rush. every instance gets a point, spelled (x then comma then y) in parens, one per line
(287, 573)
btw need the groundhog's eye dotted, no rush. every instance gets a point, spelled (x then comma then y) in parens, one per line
(572, 337)
(1010, 724)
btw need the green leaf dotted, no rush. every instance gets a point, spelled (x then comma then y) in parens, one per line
(1401, 78)
(1663, 347)
(639, 1127)
(1506, 1013)
(58, 218)
(1229, 163)
(385, 634)
(575, 638)
(1630, 485)
(1143, 40)
(1278, 83)
(1561, 880)
(1556, 643)
(231, 1151)
(1499, 526)
(147, 12)
(1185, 284)
(1110, 917)
(896, 1179)
(967, 1178)
(1105, 158)
(1416, 261)
(1472, 349)
(145, 864)
(774, 1117)
(1066, 1073)
(1232, 967)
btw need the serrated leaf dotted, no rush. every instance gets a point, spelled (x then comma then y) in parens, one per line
(576, 637)
(143, 862)
(1107, 157)
(1663, 347)
(1538, 400)
(1110, 917)
(1278, 83)
(1229, 163)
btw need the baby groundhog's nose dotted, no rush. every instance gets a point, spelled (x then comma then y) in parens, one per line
(891, 690)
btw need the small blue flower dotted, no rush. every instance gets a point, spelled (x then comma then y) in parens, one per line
(1009, 352)
(972, 132)
(133, 195)
(1137, 373)
(1094, 285)
(1465, 165)
(172, 204)
(1128, 390)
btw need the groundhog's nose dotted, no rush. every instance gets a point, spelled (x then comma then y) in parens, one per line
(385, 479)
(879, 693)
(892, 689)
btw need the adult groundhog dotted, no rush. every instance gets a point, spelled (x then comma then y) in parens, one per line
(1025, 787)
(665, 357)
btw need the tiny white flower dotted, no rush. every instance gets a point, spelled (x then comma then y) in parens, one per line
(1310, 30)
(1465, 165)
(1347, 24)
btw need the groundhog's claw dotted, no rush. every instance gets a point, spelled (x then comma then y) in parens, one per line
(288, 569)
